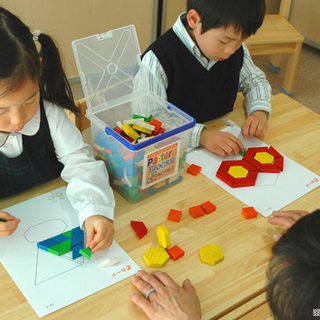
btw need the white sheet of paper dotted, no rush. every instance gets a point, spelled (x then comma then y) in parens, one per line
(271, 191)
(51, 282)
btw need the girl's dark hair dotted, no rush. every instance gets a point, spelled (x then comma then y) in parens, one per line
(293, 290)
(246, 16)
(19, 61)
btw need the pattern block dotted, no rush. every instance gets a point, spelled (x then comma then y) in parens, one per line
(174, 215)
(156, 257)
(64, 243)
(76, 249)
(194, 169)
(237, 180)
(86, 252)
(265, 159)
(238, 172)
(175, 252)
(163, 237)
(196, 211)
(255, 160)
(208, 207)
(211, 254)
(249, 212)
(139, 228)
(109, 262)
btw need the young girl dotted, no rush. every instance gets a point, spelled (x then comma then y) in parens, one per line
(37, 140)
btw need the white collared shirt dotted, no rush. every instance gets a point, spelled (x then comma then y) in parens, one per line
(88, 182)
(252, 83)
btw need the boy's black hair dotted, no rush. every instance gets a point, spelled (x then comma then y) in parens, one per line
(19, 61)
(293, 290)
(246, 16)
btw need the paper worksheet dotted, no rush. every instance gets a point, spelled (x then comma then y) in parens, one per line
(51, 282)
(271, 191)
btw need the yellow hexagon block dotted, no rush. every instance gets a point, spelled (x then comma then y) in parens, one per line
(264, 157)
(238, 171)
(163, 237)
(156, 257)
(211, 254)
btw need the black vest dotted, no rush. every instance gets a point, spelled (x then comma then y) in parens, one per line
(203, 94)
(36, 164)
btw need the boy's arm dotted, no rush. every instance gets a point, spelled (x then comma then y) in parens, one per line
(157, 78)
(254, 85)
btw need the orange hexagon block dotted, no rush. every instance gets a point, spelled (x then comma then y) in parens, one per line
(156, 257)
(211, 254)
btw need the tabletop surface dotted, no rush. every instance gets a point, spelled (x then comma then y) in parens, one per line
(241, 277)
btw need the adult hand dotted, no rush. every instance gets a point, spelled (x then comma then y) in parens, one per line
(286, 219)
(9, 227)
(222, 143)
(169, 300)
(100, 232)
(255, 125)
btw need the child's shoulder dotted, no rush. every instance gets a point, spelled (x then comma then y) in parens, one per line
(54, 113)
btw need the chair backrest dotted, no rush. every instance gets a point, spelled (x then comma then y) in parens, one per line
(285, 6)
(80, 121)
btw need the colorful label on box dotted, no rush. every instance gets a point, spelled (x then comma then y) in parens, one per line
(160, 164)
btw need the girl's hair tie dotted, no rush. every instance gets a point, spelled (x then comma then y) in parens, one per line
(35, 35)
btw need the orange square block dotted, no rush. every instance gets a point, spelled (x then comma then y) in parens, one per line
(175, 252)
(208, 207)
(194, 169)
(174, 215)
(196, 211)
(249, 212)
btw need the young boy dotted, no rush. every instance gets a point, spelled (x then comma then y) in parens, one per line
(202, 62)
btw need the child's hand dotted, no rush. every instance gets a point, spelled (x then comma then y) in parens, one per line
(100, 232)
(222, 143)
(9, 227)
(286, 219)
(255, 125)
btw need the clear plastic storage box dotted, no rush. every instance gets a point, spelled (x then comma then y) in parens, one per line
(115, 85)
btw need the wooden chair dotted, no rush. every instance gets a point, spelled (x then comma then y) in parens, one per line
(276, 37)
(81, 121)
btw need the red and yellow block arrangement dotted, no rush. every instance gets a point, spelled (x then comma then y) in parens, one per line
(243, 173)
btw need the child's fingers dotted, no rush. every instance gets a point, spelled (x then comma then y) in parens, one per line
(102, 239)
(6, 216)
(90, 235)
(231, 146)
(101, 245)
(9, 227)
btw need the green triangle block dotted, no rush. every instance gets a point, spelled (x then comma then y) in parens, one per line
(86, 252)
(61, 248)
(68, 234)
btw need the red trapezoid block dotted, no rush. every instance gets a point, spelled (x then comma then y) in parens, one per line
(139, 228)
